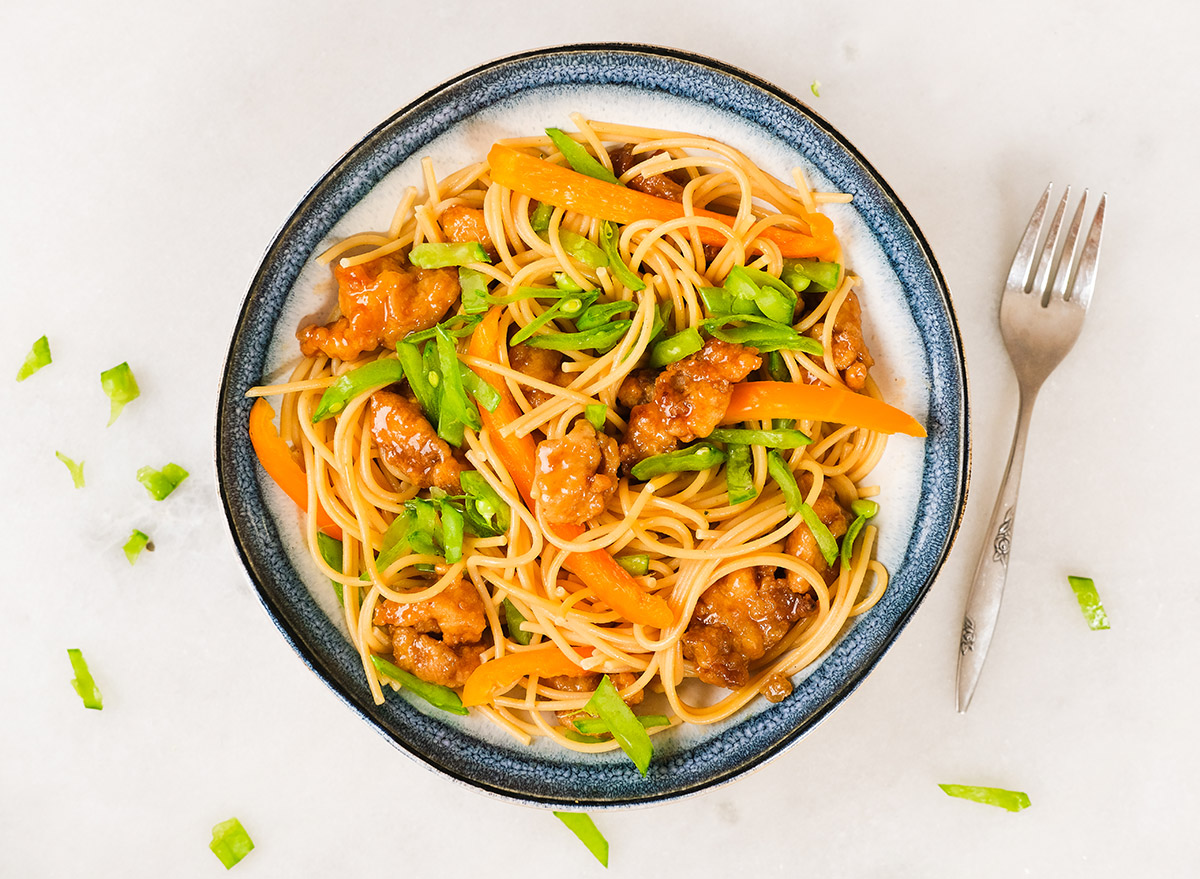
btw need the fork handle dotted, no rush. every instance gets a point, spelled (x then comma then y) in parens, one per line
(987, 586)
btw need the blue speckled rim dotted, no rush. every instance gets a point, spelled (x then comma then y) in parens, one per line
(512, 773)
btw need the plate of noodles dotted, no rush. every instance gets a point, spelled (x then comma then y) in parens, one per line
(595, 425)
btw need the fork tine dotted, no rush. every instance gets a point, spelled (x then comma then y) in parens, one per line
(1067, 260)
(1042, 278)
(1085, 276)
(1018, 275)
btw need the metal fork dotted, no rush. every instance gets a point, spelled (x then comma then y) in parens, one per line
(1039, 323)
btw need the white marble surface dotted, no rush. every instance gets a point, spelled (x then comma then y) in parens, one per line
(150, 152)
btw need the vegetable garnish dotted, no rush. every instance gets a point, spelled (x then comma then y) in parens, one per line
(121, 387)
(485, 395)
(1012, 800)
(1089, 602)
(582, 249)
(564, 283)
(772, 297)
(756, 401)
(331, 553)
(863, 510)
(276, 459)
(554, 184)
(826, 542)
(637, 564)
(487, 513)
(452, 532)
(230, 842)
(739, 479)
(37, 357)
(160, 483)
(782, 474)
(394, 542)
(772, 439)
(76, 469)
(83, 683)
(776, 368)
(700, 456)
(600, 314)
(602, 337)
(512, 622)
(815, 88)
(674, 348)
(606, 703)
(440, 256)
(621, 272)
(595, 726)
(596, 414)
(801, 274)
(567, 307)
(133, 547)
(435, 694)
(763, 334)
(409, 357)
(501, 675)
(579, 158)
(540, 218)
(584, 828)
(357, 381)
(474, 286)
(456, 411)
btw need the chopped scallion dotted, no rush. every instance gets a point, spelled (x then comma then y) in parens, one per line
(435, 694)
(1089, 602)
(815, 88)
(160, 483)
(1012, 800)
(84, 683)
(585, 829)
(607, 704)
(121, 387)
(230, 842)
(37, 357)
(133, 547)
(76, 469)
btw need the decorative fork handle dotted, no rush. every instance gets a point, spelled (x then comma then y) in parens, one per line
(987, 586)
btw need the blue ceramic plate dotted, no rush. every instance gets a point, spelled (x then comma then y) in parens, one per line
(911, 332)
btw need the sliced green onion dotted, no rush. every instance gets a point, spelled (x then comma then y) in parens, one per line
(512, 621)
(569, 306)
(435, 694)
(579, 158)
(1089, 602)
(596, 414)
(637, 564)
(772, 439)
(621, 273)
(1012, 800)
(486, 512)
(849, 537)
(474, 286)
(763, 334)
(701, 456)
(357, 381)
(799, 274)
(452, 532)
(594, 726)
(230, 842)
(160, 483)
(583, 249)
(739, 478)
(585, 829)
(826, 542)
(331, 552)
(121, 387)
(865, 508)
(607, 704)
(456, 411)
(487, 396)
(458, 326)
(602, 337)
(563, 282)
(783, 476)
(674, 348)
(442, 255)
(83, 683)
(601, 313)
(37, 357)
(540, 218)
(76, 469)
(133, 547)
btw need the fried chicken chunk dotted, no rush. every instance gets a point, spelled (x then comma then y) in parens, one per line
(542, 364)
(661, 185)
(464, 224)
(803, 545)
(689, 401)
(408, 444)
(440, 639)
(381, 302)
(576, 475)
(850, 355)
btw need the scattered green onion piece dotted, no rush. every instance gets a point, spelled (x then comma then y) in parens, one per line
(435, 694)
(1089, 602)
(487, 396)
(540, 218)
(739, 479)
(357, 381)
(701, 456)
(76, 469)
(466, 324)
(474, 286)
(512, 621)
(826, 542)
(865, 508)
(486, 512)
(763, 334)
(637, 564)
(563, 282)
(452, 532)
(799, 274)
(230, 842)
(133, 547)
(456, 411)
(772, 439)
(582, 249)
(331, 552)
(579, 158)
(607, 704)
(160, 483)
(121, 387)
(569, 306)
(1012, 800)
(783, 476)
(674, 348)
(83, 683)
(37, 357)
(594, 726)
(620, 271)
(815, 88)
(585, 829)
(442, 255)
(600, 314)
(596, 414)
(602, 337)
(849, 537)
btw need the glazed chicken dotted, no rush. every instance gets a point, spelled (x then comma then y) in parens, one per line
(576, 475)
(850, 355)
(440, 639)
(408, 445)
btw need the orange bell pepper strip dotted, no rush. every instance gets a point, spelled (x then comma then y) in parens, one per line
(553, 184)
(611, 583)
(276, 458)
(500, 675)
(756, 401)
